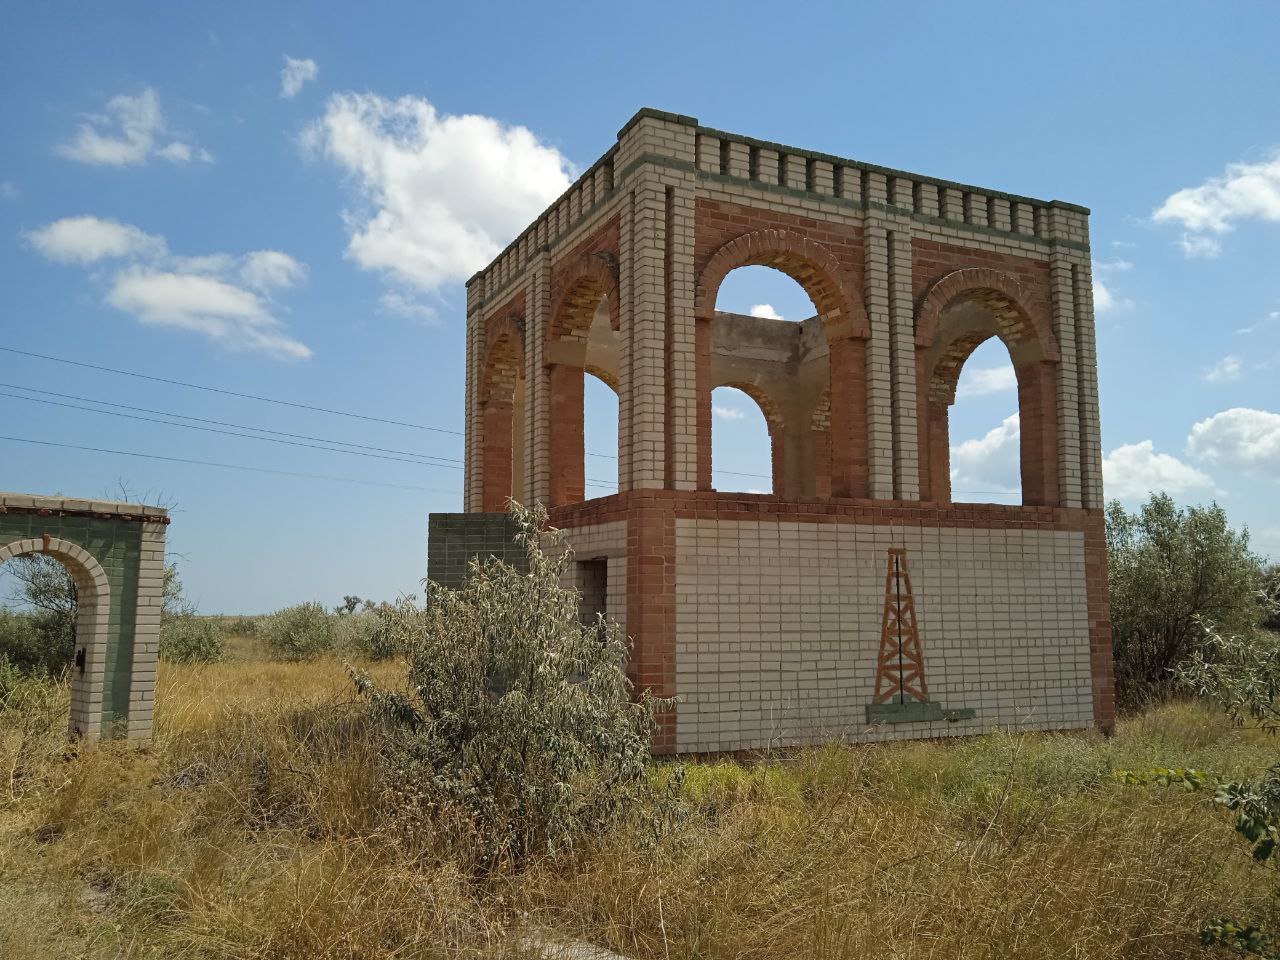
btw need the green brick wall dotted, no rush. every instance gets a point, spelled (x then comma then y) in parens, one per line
(454, 539)
(117, 546)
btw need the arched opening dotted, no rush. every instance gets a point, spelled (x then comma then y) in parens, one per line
(958, 316)
(781, 322)
(600, 433)
(65, 582)
(983, 424)
(744, 455)
(582, 364)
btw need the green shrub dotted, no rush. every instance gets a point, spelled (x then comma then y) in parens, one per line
(240, 626)
(190, 639)
(41, 643)
(1170, 567)
(516, 733)
(361, 634)
(300, 632)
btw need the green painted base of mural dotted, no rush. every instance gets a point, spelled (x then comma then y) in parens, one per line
(916, 711)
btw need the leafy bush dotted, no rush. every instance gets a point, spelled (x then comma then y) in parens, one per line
(299, 632)
(36, 644)
(516, 730)
(190, 639)
(1169, 567)
(361, 634)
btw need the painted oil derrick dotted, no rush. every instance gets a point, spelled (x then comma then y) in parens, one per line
(902, 695)
(900, 669)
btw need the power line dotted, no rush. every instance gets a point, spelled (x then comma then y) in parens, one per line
(228, 466)
(229, 393)
(232, 433)
(224, 423)
(290, 403)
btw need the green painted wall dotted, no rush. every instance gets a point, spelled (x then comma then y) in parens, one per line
(117, 546)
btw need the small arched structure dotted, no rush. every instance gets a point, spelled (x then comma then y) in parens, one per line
(115, 554)
(958, 313)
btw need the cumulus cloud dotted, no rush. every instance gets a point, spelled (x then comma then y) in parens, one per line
(1225, 370)
(1241, 437)
(217, 295)
(979, 381)
(988, 465)
(295, 75)
(269, 269)
(440, 195)
(766, 311)
(126, 135)
(404, 305)
(1105, 299)
(726, 413)
(1133, 471)
(1246, 191)
(90, 239)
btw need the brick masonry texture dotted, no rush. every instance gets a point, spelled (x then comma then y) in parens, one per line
(115, 554)
(908, 274)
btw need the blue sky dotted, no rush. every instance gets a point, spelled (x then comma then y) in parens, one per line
(284, 200)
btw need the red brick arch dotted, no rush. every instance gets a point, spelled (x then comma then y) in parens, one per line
(805, 261)
(1000, 293)
(588, 281)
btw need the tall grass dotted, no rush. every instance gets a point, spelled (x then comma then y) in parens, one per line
(259, 825)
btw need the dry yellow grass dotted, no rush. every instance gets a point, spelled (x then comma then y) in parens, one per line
(257, 827)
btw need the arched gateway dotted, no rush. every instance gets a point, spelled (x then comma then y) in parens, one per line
(762, 613)
(115, 554)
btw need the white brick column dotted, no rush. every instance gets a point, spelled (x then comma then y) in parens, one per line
(682, 390)
(473, 443)
(1091, 492)
(146, 632)
(644, 329)
(879, 362)
(1067, 405)
(537, 431)
(902, 353)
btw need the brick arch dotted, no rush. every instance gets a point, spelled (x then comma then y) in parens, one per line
(592, 278)
(1000, 293)
(942, 348)
(503, 362)
(93, 612)
(604, 376)
(805, 261)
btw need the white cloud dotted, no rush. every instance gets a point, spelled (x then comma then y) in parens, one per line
(1133, 471)
(220, 310)
(766, 311)
(1225, 370)
(269, 269)
(1105, 299)
(295, 75)
(178, 152)
(988, 464)
(408, 306)
(1240, 437)
(1258, 324)
(442, 194)
(127, 134)
(1247, 191)
(90, 239)
(218, 295)
(727, 413)
(979, 381)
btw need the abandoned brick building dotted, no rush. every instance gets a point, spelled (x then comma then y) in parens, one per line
(776, 619)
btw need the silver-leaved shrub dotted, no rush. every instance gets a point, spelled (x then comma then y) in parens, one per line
(516, 734)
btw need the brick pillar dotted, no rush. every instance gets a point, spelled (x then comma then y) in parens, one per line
(848, 359)
(1101, 660)
(651, 607)
(821, 463)
(682, 412)
(1091, 495)
(647, 335)
(568, 482)
(1067, 400)
(879, 368)
(497, 413)
(702, 367)
(473, 453)
(902, 357)
(1038, 425)
(936, 451)
(537, 409)
(778, 454)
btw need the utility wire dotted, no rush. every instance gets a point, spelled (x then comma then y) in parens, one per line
(228, 466)
(229, 393)
(286, 403)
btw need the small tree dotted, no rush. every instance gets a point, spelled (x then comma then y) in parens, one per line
(516, 727)
(1169, 567)
(300, 632)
